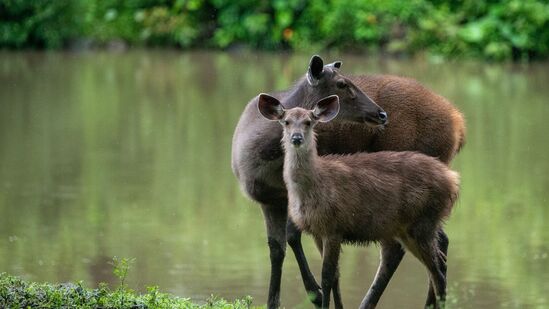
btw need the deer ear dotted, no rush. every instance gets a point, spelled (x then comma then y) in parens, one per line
(326, 109)
(336, 64)
(270, 107)
(316, 66)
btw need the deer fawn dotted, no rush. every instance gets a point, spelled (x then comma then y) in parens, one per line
(392, 198)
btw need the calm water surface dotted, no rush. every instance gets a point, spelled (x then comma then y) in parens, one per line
(128, 155)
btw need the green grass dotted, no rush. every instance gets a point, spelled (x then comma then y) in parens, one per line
(18, 293)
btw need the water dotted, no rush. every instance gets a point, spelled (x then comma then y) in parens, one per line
(128, 155)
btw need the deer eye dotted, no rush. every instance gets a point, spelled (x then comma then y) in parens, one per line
(307, 123)
(341, 84)
(286, 122)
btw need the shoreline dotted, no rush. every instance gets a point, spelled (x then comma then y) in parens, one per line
(18, 293)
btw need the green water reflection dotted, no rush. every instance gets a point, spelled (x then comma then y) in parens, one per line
(128, 155)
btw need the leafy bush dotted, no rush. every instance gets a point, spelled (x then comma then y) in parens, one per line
(499, 30)
(493, 29)
(39, 23)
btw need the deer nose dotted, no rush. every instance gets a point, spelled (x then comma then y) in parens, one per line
(297, 139)
(382, 117)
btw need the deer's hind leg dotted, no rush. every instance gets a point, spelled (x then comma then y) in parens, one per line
(391, 254)
(443, 242)
(423, 245)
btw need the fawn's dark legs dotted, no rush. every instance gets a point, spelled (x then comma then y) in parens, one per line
(330, 259)
(425, 248)
(391, 255)
(275, 222)
(443, 242)
(338, 303)
(294, 240)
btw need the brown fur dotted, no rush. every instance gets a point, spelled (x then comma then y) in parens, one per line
(384, 197)
(368, 197)
(363, 197)
(419, 120)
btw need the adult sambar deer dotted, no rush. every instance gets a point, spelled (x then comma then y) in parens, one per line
(417, 118)
(387, 197)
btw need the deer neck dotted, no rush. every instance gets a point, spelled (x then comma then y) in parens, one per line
(300, 166)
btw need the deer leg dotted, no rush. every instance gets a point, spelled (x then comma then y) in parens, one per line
(338, 303)
(425, 248)
(443, 242)
(311, 286)
(336, 290)
(429, 259)
(391, 254)
(330, 259)
(275, 222)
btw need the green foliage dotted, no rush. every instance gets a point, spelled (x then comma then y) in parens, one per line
(506, 29)
(121, 266)
(362, 24)
(141, 21)
(39, 23)
(17, 293)
(498, 30)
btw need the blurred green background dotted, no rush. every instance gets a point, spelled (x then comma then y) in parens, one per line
(488, 29)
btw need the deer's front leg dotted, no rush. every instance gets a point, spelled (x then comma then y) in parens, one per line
(294, 240)
(331, 247)
(275, 222)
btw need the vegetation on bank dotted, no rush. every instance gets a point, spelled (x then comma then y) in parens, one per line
(18, 293)
(491, 29)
